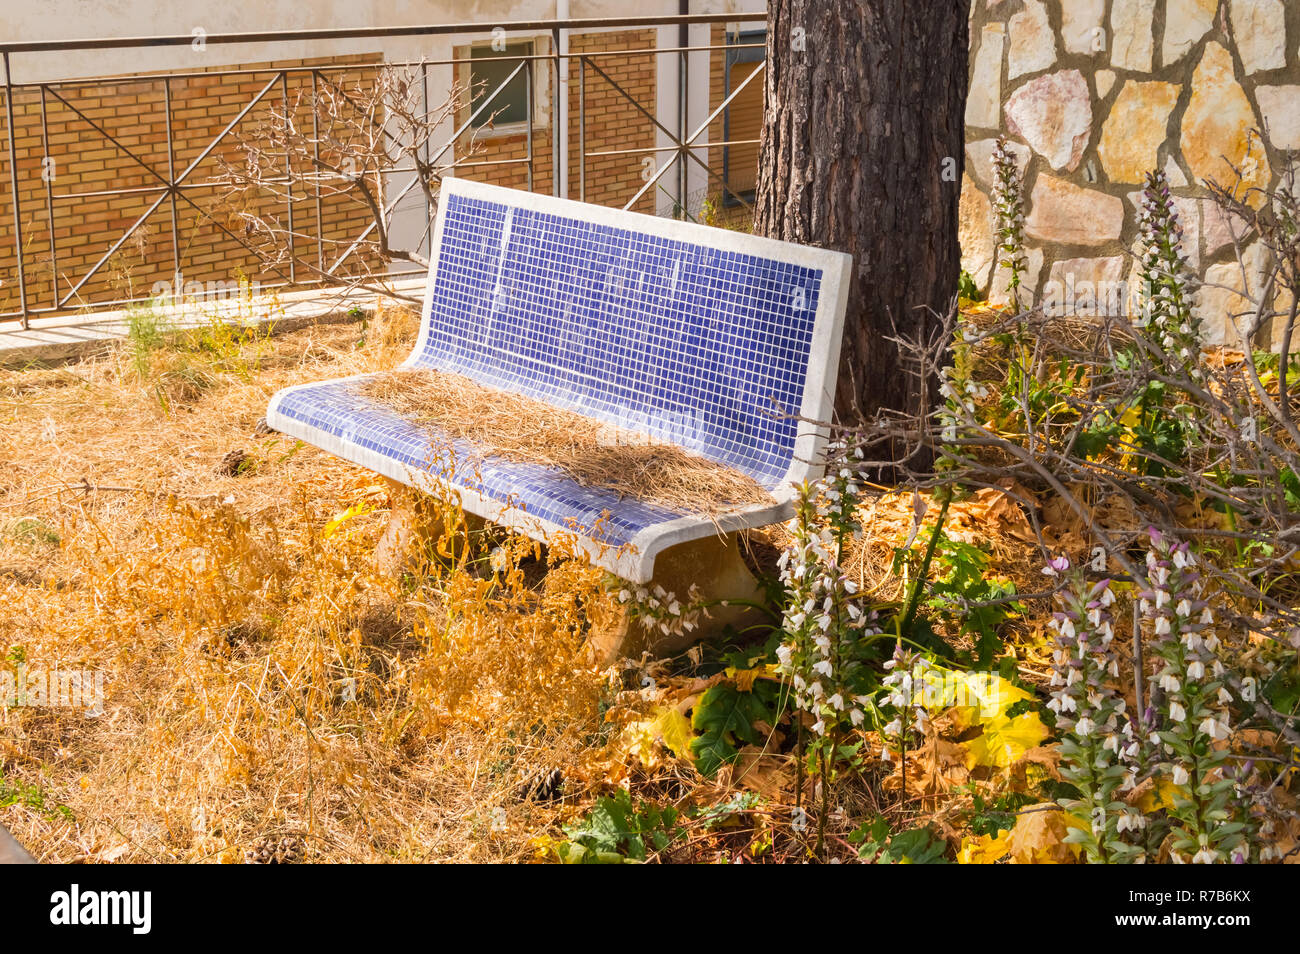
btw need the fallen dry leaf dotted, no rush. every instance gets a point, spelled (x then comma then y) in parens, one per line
(767, 773)
(1038, 837)
(935, 768)
(1218, 357)
(110, 855)
(990, 508)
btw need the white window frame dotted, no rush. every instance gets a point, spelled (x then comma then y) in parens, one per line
(541, 71)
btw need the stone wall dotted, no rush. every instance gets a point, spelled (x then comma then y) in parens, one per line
(1095, 93)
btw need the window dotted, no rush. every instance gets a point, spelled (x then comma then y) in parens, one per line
(743, 119)
(489, 69)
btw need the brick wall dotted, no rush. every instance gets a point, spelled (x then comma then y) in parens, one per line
(737, 166)
(83, 160)
(613, 123)
(132, 110)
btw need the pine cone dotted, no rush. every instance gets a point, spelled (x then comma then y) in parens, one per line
(232, 464)
(287, 850)
(260, 853)
(545, 787)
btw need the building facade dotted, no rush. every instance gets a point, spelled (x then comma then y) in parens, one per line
(101, 134)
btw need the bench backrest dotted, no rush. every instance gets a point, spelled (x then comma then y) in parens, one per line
(713, 340)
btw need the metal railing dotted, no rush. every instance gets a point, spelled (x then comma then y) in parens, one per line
(172, 185)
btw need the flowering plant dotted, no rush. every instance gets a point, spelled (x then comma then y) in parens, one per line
(823, 619)
(1192, 715)
(1166, 279)
(824, 622)
(1009, 216)
(1179, 742)
(1094, 743)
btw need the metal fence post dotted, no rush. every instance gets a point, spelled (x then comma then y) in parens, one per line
(582, 128)
(49, 199)
(528, 146)
(13, 185)
(683, 106)
(556, 114)
(178, 280)
(315, 155)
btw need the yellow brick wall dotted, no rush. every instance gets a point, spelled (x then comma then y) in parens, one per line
(747, 119)
(86, 161)
(203, 102)
(612, 123)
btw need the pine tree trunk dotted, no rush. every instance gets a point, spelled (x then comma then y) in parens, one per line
(862, 152)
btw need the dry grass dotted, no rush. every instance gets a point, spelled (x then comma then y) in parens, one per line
(515, 427)
(261, 678)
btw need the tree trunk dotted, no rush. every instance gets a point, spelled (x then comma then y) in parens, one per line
(862, 152)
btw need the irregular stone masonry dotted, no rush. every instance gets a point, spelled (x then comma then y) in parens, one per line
(1095, 95)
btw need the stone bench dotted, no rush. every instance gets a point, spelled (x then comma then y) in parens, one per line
(721, 343)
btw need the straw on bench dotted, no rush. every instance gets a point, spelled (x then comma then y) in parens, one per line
(591, 453)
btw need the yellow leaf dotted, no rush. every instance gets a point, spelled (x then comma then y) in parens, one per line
(1128, 439)
(1039, 837)
(981, 700)
(1005, 740)
(983, 849)
(665, 725)
(356, 510)
(744, 678)
(975, 697)
(1157, 796)
(675, 730)
(638, 739)
(1132, 416)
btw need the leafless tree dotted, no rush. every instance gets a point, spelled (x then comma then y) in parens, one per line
(342, 141)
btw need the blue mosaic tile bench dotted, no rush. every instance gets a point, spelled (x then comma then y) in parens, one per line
(684, 333)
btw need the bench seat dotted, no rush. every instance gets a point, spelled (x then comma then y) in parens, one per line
(622, 532)
(687, 334)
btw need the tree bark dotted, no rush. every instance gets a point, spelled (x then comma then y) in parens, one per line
(862, 152)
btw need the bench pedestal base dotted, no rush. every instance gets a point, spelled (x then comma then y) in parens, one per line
(416, 516)
(714, 565)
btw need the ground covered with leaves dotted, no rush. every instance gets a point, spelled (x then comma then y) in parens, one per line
(270, 696)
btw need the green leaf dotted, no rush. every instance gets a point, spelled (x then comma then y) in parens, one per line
(724, 716)
(1290, 487)
(615, 831)
(922, 635)
(917, 846)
